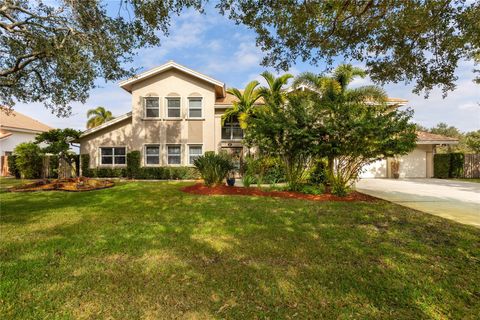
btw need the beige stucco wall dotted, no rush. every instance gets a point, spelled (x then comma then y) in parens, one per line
(116, 135)
(181, 131)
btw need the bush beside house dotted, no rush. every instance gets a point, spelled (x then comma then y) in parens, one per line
(133, 170)
(448, 165)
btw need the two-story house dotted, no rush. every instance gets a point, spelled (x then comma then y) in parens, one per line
(176, 117)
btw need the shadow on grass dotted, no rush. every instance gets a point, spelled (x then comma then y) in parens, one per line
(147, 250)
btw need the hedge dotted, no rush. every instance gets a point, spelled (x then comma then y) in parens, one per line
(85, 164)
(133, 164)
(448, 165)
(441, 165)
(134, 171)
(12, 166)
(457, 161)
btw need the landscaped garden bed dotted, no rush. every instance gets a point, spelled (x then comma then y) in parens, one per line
(72, 184)
(251, 191)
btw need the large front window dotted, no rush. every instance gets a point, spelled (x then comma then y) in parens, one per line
(113, 156)
(174, 154)
(232, 131)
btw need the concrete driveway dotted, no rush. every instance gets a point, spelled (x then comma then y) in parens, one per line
(456, 200)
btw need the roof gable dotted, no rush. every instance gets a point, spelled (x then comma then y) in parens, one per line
(14, 120)
(127, 84)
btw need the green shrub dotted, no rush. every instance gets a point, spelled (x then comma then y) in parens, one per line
(264, 169)
(29, 160)
(133, 164)
(167, 173)
(457, 161)
(247, 180)
(85, 164)
(441, 165)
(311, 189)
(339, 189)
(12, 166)
(319, 175)
(213, 167)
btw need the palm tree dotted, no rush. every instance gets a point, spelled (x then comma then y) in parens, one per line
(333, 91)
(335, 87)
(274, 93)
(243, 108)
(98, 116)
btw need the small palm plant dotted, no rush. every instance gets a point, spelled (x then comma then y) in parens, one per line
(244, 107)
(214, 168)
(98, 116)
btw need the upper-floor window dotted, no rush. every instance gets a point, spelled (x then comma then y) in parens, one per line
(195, 107)
(174, 154)
(152, 108)
(113, 156)
(173, 107)
(232, 131)
(152, 154)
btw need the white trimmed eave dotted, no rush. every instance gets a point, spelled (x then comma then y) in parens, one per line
(127, 84)
(24, 130)
(106, 124)
(437, 142)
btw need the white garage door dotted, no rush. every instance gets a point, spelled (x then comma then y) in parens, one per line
(377, 169)
(414, 164)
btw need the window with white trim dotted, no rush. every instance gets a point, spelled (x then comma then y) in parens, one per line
(195, 107)
(152, 107)
(174, 154)
(113, 156)
(152, 154)
(194, 151)
(232, 131)
(173, 108)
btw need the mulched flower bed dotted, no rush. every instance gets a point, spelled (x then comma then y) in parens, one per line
(72, 184)
(225, 190)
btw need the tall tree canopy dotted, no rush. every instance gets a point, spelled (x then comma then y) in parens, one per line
(413, 41)
(52, 51)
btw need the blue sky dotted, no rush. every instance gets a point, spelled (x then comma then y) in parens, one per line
(213, 45)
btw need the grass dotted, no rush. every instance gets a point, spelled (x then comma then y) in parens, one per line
(7, 182)
(146, 250)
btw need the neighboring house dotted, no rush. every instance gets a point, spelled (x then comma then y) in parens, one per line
(176, 117)
(16, 128)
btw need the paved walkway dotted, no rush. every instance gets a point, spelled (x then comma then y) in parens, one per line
(456, 200)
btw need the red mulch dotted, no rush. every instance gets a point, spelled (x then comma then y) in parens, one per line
(70, 184)
(225, 190)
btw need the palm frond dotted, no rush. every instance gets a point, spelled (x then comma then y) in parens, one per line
(307, 78)
(371, 94)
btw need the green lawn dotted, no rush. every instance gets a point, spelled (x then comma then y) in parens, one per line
(145, 250)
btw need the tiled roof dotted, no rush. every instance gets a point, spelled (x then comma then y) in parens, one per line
(427, 136)
(16, 120)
